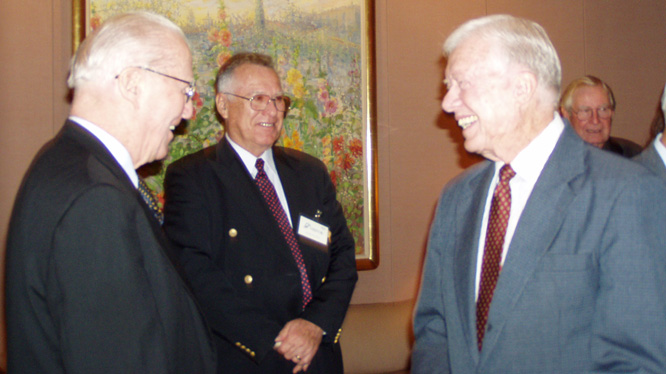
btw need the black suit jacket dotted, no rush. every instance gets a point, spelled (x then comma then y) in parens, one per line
(90, 288)
(239, 264)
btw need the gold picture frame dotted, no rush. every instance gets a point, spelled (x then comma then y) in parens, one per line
(348, 27)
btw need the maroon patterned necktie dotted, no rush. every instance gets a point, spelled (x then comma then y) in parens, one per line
(490, 268)
(271, 198)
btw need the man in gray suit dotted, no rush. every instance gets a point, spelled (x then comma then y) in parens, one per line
(654, 157)
(565, 252)
(91, 282)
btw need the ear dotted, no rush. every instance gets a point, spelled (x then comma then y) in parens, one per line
(525, 86)
(565, 113)
(222, 105)
(129, 84)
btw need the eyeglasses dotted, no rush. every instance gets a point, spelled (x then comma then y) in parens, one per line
(189, 91)
(260, 102)
(585, 114)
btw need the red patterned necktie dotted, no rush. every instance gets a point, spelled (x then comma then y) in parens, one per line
(267, 189)
(490, 268)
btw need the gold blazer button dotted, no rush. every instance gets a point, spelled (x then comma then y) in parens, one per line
(233, 233)
(248, 279)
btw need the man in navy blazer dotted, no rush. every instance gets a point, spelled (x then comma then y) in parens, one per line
(92, 285)
(582, 271)
(654, 157)
(239, 263)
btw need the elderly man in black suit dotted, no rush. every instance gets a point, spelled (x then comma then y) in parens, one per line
(264, 241)
(91, 286)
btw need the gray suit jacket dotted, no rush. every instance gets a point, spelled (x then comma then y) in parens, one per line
(651, 160)
(583, 287)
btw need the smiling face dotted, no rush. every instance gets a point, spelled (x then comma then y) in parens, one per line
(254, 130)
(480, 93)
(164, 103)
(593, 130)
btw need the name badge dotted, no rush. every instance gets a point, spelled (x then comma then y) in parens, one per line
(313, 230)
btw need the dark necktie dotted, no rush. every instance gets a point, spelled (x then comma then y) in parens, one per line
(150, 200)
(490, 268)
(271, 198)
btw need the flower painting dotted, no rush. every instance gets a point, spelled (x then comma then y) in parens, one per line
(320, 49)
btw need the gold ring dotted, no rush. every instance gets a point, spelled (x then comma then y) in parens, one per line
(298, 358)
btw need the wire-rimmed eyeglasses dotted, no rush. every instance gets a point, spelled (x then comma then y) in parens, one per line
(260, 102)
(584, 114)
(190, 90)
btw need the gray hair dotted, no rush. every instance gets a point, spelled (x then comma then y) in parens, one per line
(525, 42)
(130, 39)
(225, 76)
(566, 101)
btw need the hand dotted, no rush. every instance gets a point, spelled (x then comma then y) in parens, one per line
(298, 342)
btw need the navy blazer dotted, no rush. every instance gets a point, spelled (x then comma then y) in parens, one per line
(583, 286)
(239, 264)
(90, 286)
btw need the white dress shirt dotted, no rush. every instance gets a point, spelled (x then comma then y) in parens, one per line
(115, 147)
(249, 160)
(659, 146)
(528, 165)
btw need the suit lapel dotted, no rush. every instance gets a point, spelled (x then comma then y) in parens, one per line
(291, 183)
(229, 167)
(470, 211)
(105, 158)
(552, 193)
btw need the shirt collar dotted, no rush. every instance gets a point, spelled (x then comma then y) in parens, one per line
(115, 147)
(529, 162)
(249, 160)
(659, 147)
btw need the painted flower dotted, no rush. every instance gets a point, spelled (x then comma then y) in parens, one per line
(356, 147)
(331, 106)
(323, 95)
(222, 37)
(347, 162)
(338, 143)
(334, 177)
(95, 21)
(294, 141)
(222, 58)
(294, 77)
(300, 91)
(197, 104)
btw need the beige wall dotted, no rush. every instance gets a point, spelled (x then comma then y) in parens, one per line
(420, 148)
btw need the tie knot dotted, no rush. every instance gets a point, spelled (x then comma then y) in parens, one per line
(506, 173)
(259, 164)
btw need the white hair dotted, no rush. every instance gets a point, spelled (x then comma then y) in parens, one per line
(130, 39)
(524, 42)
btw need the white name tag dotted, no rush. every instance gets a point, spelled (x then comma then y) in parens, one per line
(313, 230)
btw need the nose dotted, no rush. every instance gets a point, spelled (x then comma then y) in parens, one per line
(271, 108)
(188, 110)
(450, 100)
(595, 116)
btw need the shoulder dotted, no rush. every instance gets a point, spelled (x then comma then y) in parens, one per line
(470, 179)
(624, 147)
(196, 160)
(297, 159)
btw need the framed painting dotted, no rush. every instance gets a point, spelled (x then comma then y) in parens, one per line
(323, 51)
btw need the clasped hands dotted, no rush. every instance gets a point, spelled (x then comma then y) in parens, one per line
(298, 342)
